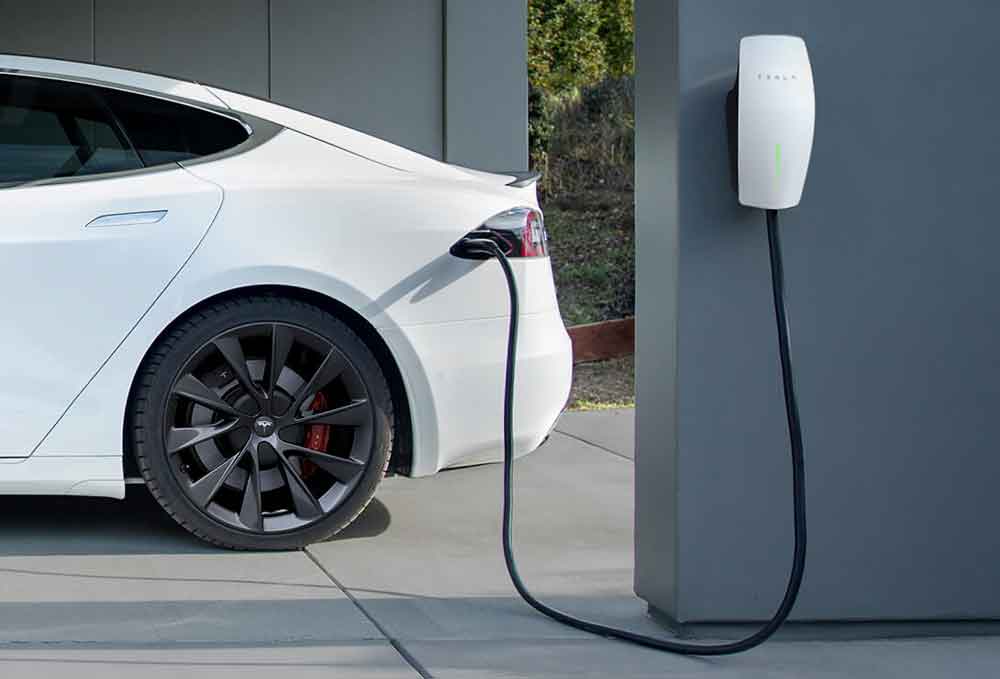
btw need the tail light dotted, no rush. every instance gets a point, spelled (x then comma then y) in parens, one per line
(520, 232)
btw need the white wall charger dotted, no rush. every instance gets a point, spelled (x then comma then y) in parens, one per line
(772, 113)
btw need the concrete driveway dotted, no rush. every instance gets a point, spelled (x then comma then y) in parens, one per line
(415, 588)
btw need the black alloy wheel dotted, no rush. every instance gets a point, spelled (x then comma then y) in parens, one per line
(263, 423)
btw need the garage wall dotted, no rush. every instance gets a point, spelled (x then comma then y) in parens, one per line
(484, 107)
(377, 66)
(222, 41)
(446, 78)
(29, 28)
(656, 233)
(892, 278)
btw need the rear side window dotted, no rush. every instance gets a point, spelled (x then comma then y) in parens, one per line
(51, 129)
(165, 132)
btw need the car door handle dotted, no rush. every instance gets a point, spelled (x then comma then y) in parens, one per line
(128, 218)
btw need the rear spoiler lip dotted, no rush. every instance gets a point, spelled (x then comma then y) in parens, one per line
(523, 179)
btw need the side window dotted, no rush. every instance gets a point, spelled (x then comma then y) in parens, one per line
(54, 129)
(166, 132)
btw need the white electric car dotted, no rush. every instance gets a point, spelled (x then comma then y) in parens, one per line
(252, 308)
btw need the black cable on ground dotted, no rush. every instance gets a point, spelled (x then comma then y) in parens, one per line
(798, 475)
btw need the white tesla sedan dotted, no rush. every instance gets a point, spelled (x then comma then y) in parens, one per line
(253, 309)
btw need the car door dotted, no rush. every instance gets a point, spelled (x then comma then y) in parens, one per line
(92, 229)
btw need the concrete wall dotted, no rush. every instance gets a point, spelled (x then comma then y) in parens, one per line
(478, 32)
(656, 232)
(446, 78)
(892, 278)
(223, 41)
(375, 66)
(28, 28)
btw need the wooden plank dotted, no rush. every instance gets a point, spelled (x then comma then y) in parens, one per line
(604, 340)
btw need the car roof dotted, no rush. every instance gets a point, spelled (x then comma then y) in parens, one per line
(107, 75)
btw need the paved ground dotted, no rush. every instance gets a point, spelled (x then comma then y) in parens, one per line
(416, 586)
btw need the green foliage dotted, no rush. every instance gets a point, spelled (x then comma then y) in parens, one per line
(593, 259)
(573, 45)
(541, 111)
(618, 35)
(581, 122)
(591, 143)
(564, 45)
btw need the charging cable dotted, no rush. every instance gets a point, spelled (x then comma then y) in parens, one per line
(480, 244)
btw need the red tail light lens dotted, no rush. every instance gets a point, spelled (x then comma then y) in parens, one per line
(533, 237)
(523, 229)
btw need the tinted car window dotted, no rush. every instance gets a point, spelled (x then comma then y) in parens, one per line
(54, 129)
(165, 132)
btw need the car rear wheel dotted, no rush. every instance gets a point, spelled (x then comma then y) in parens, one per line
(262, 423)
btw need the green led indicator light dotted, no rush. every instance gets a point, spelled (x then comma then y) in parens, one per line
(777, 160)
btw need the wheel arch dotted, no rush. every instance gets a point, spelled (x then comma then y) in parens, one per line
(401, 456)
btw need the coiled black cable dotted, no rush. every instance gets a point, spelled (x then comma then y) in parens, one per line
(483, 246)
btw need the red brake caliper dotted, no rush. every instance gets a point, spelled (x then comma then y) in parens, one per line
(317, 435)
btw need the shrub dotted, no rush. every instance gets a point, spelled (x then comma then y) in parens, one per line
(574, 47)
(590, 146)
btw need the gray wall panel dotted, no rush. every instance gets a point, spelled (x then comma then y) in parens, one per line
(62, 29)
(656, 232)
(486, 83)
(378, 66)
(374, 66)
(223, 42)
(891, 267)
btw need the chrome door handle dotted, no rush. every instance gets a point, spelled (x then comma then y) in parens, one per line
(128, 218)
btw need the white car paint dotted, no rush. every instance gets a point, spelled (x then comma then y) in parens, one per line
(316, 206)
(79, 289)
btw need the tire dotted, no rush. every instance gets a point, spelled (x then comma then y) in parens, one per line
(252, 440)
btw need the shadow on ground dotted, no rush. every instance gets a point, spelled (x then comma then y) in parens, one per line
(137, 525)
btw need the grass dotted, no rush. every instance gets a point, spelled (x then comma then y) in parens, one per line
(593, 255)
(593, 260)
